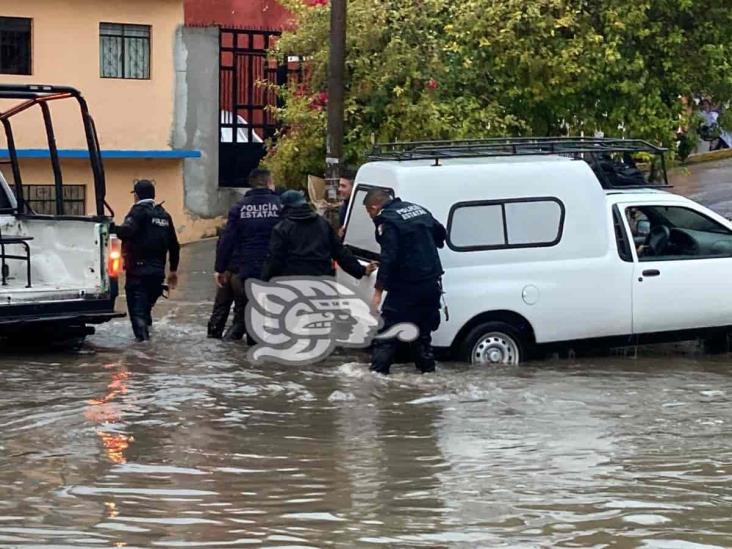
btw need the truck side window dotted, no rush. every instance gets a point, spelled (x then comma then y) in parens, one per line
(664, 233)
(503, 224)
(621, 237)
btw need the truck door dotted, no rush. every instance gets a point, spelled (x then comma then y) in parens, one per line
(360, 238)
(683, 267)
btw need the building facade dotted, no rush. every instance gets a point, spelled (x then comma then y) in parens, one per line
(129, 60)
(252, 14)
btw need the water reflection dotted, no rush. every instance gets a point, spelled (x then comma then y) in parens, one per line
(106, 413)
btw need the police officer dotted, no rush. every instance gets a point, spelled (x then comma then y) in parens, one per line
(410, 272)
(303, 243)
(225, 296)
(246, 239)
(148, 236)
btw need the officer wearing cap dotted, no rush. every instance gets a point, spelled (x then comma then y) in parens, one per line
(245, 240)
(148, 236)
(409, 271)
(304, 244)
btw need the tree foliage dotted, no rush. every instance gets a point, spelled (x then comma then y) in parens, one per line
(428, 69)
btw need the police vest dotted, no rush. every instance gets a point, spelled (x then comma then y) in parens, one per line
(418, 259)
(146, 252)
(258, 213)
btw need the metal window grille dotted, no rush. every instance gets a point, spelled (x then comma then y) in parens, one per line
(42, 199)
(124, 51)
(15, 45)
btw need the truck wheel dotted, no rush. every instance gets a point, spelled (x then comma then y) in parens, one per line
(717, 344)
(493, 344)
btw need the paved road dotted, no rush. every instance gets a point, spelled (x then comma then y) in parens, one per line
(709, 183)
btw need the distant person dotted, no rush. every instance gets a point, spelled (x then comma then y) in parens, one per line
(148, 237)
(710, 130)
(345, 189)
(410, 272)
(245, 240)
(305, 244)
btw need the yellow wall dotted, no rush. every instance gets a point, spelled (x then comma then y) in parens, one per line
(120, 175)
(129, 114)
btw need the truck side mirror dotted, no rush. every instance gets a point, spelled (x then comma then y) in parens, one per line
(643, 228)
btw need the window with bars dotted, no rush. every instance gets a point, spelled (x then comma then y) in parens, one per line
(15, 45)
(124, 51)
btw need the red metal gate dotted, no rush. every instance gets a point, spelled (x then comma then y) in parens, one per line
(249, 77)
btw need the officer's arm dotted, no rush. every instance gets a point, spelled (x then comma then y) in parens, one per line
(276, 255)
(129, 227)
(389, 241)
(439, 233)
(225, 249)
(344, 257)
(173, 247)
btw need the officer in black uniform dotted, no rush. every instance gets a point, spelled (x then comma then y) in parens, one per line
(246, 239)
(148, 236)
(225, 297)
(410, 272)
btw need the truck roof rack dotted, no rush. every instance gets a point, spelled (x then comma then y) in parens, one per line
(608, 157)
(41, 95)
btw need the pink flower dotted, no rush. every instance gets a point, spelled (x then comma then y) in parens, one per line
(320, 101)
(431, 84)
(316, 3)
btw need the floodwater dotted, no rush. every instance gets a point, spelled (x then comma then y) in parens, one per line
(181, 443)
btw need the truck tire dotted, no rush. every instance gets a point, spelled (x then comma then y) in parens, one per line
(717, 344)
(494, 344)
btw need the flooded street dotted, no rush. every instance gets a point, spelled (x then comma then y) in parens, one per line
(181, 443)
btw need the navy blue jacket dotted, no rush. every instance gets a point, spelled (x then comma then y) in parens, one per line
(148, 236)
(248, 229)
(409, 237)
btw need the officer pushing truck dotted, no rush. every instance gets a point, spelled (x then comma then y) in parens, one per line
(410, 272)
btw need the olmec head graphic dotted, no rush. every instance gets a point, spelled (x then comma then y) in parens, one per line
(301, 320)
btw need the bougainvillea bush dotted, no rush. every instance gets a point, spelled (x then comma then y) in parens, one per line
(442, 69)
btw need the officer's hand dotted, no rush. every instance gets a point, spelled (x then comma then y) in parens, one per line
(221, 279)
(371, 267)
(173, 280)
(376, 300)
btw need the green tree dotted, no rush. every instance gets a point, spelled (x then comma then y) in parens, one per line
(428, 69)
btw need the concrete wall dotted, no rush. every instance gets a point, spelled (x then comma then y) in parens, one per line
(130, 114)
(197, 120)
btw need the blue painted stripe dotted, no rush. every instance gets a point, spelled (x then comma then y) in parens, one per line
(83, 153)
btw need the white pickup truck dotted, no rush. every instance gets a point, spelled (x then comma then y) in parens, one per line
(553, 241)
(58, 272)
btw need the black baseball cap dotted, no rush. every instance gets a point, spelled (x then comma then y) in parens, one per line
(144, 188)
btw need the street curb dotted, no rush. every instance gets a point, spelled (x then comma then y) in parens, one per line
(204, 239)
(707, 157)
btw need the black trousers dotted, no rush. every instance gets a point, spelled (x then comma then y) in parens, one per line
(239, 328)
(418, 304)
(225, 297)
(142, 292)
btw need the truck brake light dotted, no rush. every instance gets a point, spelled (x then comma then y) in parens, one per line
(114, 265)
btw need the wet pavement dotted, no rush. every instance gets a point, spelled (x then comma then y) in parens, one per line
(181, 443)
(709, 183)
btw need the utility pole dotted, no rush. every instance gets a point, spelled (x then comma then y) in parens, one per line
(336, 92)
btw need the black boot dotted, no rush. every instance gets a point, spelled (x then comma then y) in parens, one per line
(424, 358)
(382, 355)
